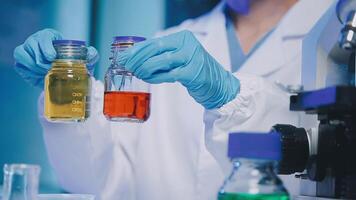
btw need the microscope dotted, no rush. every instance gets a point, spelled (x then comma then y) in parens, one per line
(324, 157)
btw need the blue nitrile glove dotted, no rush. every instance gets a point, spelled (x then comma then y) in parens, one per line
(180, 57)
(33, 58)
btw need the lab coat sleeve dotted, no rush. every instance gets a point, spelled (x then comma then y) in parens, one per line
(84, 155)
(259, 105)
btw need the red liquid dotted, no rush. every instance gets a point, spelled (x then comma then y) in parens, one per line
(129, 105)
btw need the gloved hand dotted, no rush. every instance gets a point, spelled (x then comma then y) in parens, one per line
(33, 58)
(180, 57)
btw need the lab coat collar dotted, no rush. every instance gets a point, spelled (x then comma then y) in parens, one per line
(284, 45)
(277, 50)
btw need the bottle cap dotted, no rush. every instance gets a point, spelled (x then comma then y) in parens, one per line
(255, 145)
(128, 39)
(69, 42)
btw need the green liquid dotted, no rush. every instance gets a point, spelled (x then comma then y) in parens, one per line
(242, 196)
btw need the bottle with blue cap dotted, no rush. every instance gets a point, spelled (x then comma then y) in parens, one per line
(126, 98)
(254, 157)
(67, 83)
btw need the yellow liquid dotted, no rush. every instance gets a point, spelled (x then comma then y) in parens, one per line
(67, 92)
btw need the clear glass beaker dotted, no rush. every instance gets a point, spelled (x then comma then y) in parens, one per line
(20, 182)
(68, 84)
(126, 98)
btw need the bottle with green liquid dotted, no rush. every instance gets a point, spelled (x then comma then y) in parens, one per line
(254, 158)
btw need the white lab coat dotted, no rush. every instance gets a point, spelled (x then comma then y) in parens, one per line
(169, 156)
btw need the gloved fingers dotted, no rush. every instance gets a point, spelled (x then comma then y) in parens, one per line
(140, 52)
(92, 58)
(37, 52)
(38, 61)
(160, 63)
(30, 76)
(23, 70)
(162, 77)
(28, 59)
(45, 40)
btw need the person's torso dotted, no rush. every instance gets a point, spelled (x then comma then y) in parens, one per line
(172, 161)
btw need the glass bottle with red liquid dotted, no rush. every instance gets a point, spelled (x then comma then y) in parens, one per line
(126, 98)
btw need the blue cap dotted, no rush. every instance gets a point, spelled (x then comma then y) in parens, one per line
(255, 145)
(69, 42)
(133, 39)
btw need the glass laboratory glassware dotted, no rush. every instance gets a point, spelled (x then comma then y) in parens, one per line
(126, 98)
(254, 158)
(20, 182)
(68, 84)
(65, 197)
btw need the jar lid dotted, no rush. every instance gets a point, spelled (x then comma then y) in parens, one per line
(69, 42)
(128, 39)
(255, 145)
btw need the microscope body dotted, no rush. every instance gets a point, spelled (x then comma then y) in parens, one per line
(323, 156)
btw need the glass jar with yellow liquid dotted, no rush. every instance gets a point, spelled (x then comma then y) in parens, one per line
(67, 84)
